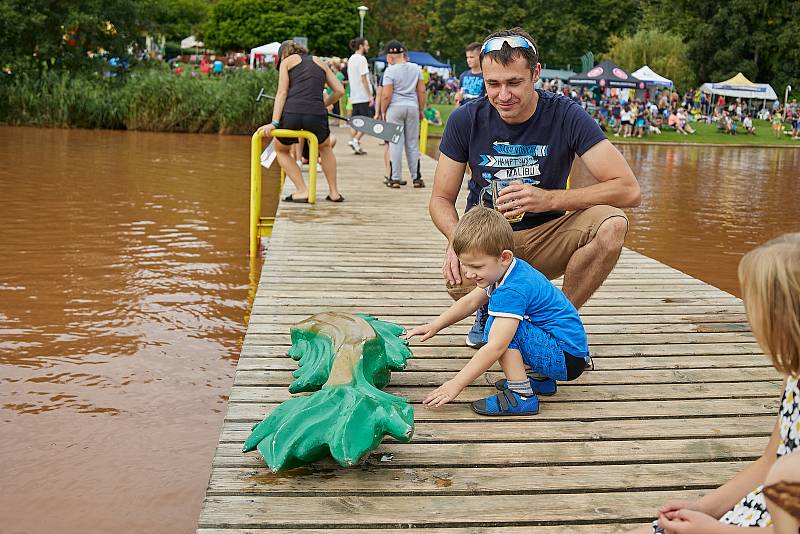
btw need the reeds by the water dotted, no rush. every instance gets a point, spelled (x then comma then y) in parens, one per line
(152, 99)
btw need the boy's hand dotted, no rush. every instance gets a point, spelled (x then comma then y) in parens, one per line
(425, 330)
(443, 394)
(688, 522)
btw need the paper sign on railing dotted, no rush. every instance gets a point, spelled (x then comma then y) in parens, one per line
(268, 156)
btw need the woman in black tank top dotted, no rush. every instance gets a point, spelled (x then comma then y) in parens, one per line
(300, 105)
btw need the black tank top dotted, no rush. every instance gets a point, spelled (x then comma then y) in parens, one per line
(306, 84)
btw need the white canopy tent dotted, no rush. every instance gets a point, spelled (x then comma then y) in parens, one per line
(191, 42)
(269, 51)
(650, 77)
(740, 87)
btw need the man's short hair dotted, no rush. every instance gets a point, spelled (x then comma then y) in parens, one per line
(356, 43)
(483, 231)
(473, 47)
(506, 54)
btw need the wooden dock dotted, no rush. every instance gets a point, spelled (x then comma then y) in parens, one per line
(680, 400)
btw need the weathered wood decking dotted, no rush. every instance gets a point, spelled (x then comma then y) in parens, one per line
(680, 400)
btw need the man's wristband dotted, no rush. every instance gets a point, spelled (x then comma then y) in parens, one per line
(276, 123)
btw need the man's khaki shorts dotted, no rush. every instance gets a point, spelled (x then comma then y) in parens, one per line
(549, 247)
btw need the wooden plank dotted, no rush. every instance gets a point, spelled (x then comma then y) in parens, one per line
(492, 430)
(658, 376)
(516, 453)
(567, 392)
(471, 481)
(399, 511)
(574, 411)
(726, 361)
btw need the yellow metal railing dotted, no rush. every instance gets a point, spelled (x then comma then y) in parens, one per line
(423, 136)
(262, 226)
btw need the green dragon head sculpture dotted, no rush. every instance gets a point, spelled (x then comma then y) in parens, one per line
(346, 360)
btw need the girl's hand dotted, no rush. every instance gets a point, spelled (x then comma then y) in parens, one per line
(425, 330)
(670, 507)
(266, 130)
(686, 521)
(443, 394)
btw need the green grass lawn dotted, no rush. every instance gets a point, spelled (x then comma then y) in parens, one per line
(706, 133)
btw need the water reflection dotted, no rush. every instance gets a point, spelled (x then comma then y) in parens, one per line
(704, 207)
(123, 292)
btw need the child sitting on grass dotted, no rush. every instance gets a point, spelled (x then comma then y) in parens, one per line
(531, 323)
(770, 280)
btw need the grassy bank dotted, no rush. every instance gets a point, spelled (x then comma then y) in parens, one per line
(706, 134)
(150, 99)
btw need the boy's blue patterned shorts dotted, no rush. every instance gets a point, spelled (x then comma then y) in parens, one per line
(540, 350)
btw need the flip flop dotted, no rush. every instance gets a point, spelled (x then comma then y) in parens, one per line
(290, 198)
(340, 199)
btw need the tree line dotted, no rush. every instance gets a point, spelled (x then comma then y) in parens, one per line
(688, 41)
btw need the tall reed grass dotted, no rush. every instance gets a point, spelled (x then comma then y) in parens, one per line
(151, 99)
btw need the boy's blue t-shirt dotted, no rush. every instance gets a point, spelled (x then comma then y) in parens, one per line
(526, 294)
(539, 150)
(471, 85)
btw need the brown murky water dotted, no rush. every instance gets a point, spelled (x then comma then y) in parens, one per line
(123, 296)
(123, 291)
(703, 208)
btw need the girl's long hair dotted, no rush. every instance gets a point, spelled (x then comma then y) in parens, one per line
(770, 280)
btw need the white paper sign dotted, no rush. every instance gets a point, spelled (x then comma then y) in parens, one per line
(268, 156)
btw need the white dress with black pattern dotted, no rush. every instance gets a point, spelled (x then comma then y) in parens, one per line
(751, 511)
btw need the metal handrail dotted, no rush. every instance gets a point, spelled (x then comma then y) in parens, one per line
(262, 226)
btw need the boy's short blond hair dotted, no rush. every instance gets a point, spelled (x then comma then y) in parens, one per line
(770, 280)
(483, 231)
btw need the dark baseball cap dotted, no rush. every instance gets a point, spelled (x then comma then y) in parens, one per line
(395, 47)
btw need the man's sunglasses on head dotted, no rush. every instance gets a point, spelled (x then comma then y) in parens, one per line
(514, 41)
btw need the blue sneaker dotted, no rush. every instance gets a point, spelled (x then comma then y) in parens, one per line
(507, 402)
(540, 385)
(475, 335)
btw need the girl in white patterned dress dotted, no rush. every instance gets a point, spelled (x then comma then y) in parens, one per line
(770, 280)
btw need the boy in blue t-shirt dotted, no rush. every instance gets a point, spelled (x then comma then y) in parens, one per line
(533, 330)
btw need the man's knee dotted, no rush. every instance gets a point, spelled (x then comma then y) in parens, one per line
(611, 234)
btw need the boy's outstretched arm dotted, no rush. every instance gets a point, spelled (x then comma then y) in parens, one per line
(462, 308)
(500, 335)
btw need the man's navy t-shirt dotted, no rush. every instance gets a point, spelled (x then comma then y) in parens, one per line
(540, 149)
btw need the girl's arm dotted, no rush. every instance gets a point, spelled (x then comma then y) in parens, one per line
(462, 308)
(725, 497)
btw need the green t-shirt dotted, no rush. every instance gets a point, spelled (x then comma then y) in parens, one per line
(430, 114)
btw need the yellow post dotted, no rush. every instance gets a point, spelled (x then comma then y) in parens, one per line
(255, 192)
(423, 136)
(262, 226)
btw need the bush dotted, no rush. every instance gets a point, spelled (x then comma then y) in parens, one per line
(148, 98)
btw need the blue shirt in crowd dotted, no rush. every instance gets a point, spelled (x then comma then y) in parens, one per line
(526, 294)
(539, 151)
(471, 85)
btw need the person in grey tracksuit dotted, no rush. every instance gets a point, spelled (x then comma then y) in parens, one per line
(403, 99)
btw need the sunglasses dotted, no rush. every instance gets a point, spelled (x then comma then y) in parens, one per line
(514, 41)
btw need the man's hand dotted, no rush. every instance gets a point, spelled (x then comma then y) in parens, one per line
(518, 198)
(425, 330)
(689, 522)
(451, 270)
(443, 394)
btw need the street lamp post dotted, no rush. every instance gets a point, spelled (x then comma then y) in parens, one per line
(786, 97)
(362, 12)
